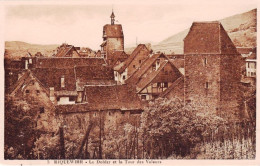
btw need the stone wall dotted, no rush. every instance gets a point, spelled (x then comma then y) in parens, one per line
(202, 78)
(114, 44)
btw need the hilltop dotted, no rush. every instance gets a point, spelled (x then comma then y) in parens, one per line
(241, 29)
(17, 49)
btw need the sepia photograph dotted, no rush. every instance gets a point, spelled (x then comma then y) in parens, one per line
(164, 80)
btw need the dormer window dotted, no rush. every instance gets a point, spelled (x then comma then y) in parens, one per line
(62, 82)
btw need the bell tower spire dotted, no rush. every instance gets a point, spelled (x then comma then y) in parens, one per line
(112, 17)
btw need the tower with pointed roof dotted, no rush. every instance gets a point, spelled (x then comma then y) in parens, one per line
(113, 39)
(212, 73)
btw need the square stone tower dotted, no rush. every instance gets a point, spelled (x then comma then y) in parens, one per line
(113, 39)
(212, 73)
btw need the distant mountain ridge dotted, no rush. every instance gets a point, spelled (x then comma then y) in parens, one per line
(17, 49)
(241, 29)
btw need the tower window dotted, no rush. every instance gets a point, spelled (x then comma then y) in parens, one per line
(205, 61)
(27, 91)
(207, 85)
(62, 82)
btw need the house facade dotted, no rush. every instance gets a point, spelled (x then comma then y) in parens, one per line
(124, 70)
(154, 76)
(211, 71)
(251, 65)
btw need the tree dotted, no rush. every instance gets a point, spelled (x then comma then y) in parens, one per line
(20, 128)
(169, 127)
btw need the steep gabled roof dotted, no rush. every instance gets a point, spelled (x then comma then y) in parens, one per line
(113, 31)
(64, 50)
(121, 67)
(67, 62)
(117, 55)
(178, 63)
(148, 79)
(117, 97)
(133, 79)
(151, 76)
(208, 38)
(27, 77)
(172, 87)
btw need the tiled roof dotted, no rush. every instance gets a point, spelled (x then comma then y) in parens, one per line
(51, 77)
(113, 30)
(112, 97)
(121, 67)
(93, 75)
(173, 85)
(13, 64)
(67, 62)
(151, 76)
(118, 97)
(178, 63)
(252, 56)
(145, 81)
(118, 55)
(245, 50)
(62, 52)
(133, 79)
(208, 38)
(24, 80)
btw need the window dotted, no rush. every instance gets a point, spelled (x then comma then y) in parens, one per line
(153, 67)
(37, 91)
(207, 85)
(140, 61)
(30, 61)
(205, 61)
(62, 82)
(58, 98)
(166, 85)
(123, 77)
(154, 85)
(158, 61)
(109, 113)
(143, 97)
(71, 98)
(158, 84)
(41, 110)
(134, 66)
(27, 91)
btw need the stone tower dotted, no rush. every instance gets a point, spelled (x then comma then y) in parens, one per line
(113, 39)
(212, 73)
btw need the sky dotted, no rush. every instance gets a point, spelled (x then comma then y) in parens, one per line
(81, 23)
